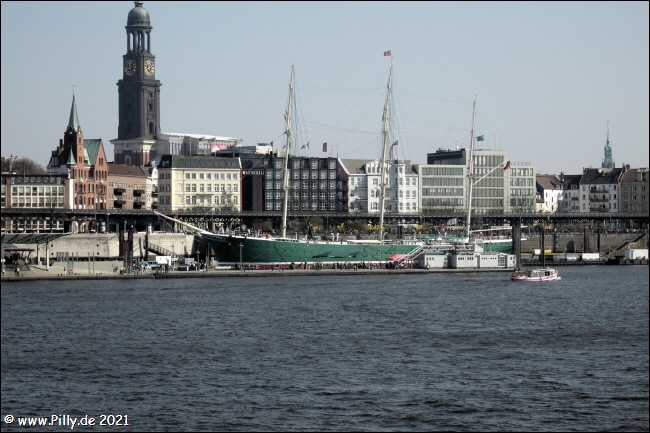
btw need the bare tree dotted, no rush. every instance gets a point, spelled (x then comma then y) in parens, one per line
(21, 165)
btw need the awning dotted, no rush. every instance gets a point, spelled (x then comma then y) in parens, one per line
(16, 247)
(397, 257)
(30, 238)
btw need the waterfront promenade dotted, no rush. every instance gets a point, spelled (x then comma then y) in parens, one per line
(36, 273)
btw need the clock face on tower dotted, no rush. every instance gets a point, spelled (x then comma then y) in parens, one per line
(148, 67)
(129, 67)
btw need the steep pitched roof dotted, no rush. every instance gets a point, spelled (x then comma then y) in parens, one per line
(355, 166)
(600, 176)
(91, 145)
(549, 181)
(74, 119)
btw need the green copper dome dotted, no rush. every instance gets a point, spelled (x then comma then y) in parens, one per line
(138, 15)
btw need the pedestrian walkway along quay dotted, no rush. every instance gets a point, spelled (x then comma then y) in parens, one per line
(36, 274)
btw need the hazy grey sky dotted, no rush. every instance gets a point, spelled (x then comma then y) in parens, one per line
(547, 76)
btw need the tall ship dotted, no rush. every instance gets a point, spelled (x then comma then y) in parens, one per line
(242, 249)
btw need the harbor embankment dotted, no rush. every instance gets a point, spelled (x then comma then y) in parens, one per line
(36, 273)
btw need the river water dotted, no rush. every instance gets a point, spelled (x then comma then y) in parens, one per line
(331, 353)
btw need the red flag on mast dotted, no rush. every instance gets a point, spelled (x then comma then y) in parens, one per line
(387, 53)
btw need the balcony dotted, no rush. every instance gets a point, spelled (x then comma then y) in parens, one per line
(119, 190)
(120, 202)
(138, 191)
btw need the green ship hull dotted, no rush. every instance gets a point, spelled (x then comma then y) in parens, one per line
(227, 249)
(499, 246)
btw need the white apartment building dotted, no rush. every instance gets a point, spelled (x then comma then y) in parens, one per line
(199, 182)
(364, 180)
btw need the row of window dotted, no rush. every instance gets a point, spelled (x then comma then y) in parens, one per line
(130, 198)
(442, 192)
(207, 200)
(311, 184)
(306, 174)
(443, 202)
(443, 181)
(208, 176)
(42, 202)
(32, 179)
(518, 181)
(442, 171)
(270, 195)
(487, 202)
(633, 197)
(491, 161)
(37, 190)
(296, 163)
(134, 186)
(192, 187)
(408, 181)
(634, 207)
(298, 205)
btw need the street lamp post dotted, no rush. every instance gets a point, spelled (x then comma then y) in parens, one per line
(241, 260)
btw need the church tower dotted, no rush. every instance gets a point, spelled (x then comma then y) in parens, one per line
(139, 94)
(608, 162)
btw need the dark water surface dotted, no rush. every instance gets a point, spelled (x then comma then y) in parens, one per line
(398, 352)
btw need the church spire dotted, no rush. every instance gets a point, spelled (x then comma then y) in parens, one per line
(608, 162)
(74, 119)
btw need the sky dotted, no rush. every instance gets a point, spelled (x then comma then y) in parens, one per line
(548, 77)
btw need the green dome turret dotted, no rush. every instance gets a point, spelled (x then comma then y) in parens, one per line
(138, 16)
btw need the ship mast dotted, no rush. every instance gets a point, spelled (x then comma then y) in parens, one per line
(285, 176)
(382, 161)
(470, 172)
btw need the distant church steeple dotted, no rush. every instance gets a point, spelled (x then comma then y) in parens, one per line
(608, 162)
(73, 123)
(138, 93)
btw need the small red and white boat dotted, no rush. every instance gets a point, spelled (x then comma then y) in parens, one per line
(543, 274)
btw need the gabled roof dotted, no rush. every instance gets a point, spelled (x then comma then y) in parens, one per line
(572, 179)
(355, 166)
(71, 160)
(549, 181)
(91, 146)
(125, 170)
(601, 176)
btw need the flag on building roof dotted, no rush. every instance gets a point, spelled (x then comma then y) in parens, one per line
(325, 147)
(305, 145)
(480, 138)
(271, 145)
(387, 53)
(507, 165)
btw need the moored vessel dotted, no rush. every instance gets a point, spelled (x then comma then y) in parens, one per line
(240, 248)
